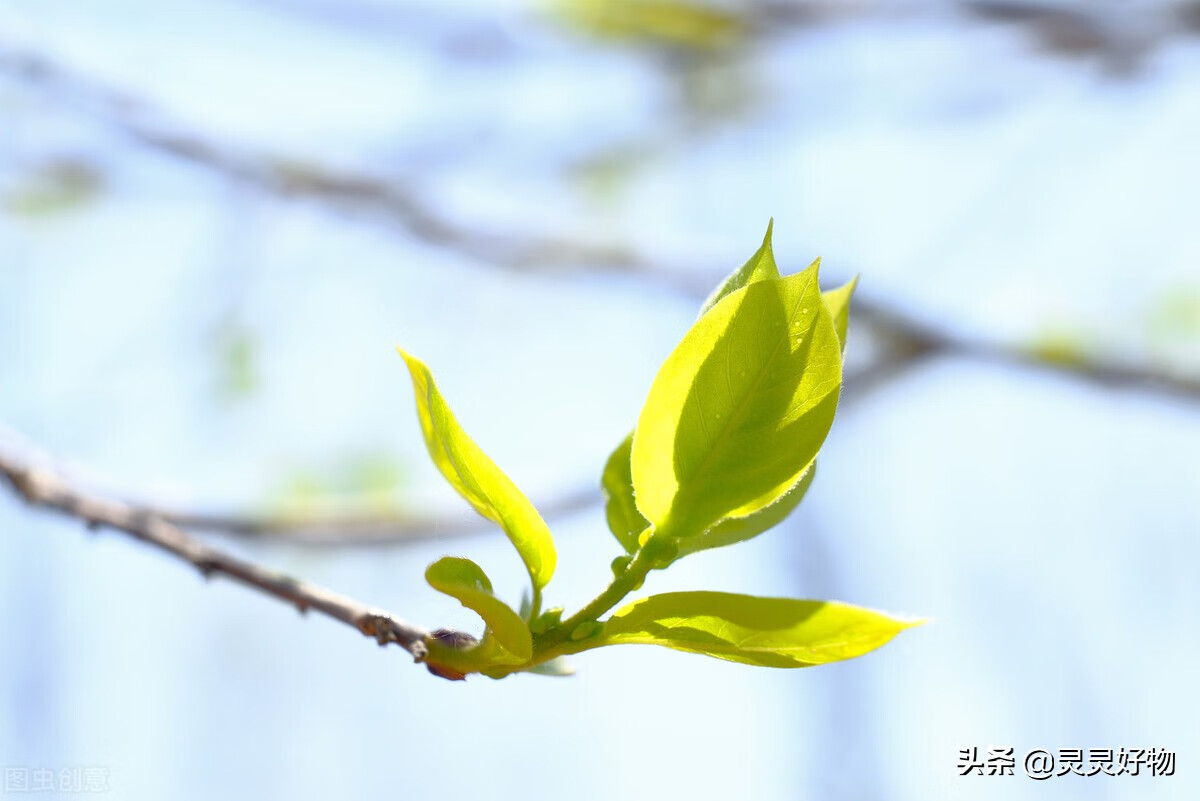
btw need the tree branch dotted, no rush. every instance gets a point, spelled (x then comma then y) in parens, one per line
(365, 529)
(906, 337)
(43, 488)
(907, 340)
(389, 200)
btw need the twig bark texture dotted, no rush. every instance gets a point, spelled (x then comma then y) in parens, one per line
(41, 487)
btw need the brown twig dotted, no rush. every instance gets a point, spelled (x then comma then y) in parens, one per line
(43, 488)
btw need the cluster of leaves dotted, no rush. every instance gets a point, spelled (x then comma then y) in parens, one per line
(724, 449)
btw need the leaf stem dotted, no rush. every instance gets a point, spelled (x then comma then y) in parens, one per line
(535, 603)
(622, 584)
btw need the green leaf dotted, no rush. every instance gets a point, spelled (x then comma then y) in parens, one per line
(546, 620)
(623, 517)
(479, 480)
(771, 508)
(732, 530)
(740, 408)
(771, 632)
(762, 266)
(507, 639)
(838, 303)
(759, 267)
(624, 520)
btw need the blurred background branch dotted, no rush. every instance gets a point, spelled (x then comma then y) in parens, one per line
(315, 529)
(897, 343)
(1120, 35)
(363, 529)
(904, 339)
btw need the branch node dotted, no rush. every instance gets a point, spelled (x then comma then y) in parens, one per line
(458, 641)
(28, 482)
(207, 567)
(380, 626)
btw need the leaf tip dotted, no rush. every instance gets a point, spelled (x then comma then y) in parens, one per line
(416, 367)
(410, 360)
(906, 621)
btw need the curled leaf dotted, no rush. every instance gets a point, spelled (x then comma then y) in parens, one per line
(506, 639)
(477, 478)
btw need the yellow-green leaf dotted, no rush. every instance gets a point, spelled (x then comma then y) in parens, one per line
(506, 639)
(739, 529)
(773, 506)
(758, 267)
(478, 479)
(771, 632)
(838, 303)
(624, 520)
(740, 408)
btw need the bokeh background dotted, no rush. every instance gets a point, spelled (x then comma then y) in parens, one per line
(217, 218)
